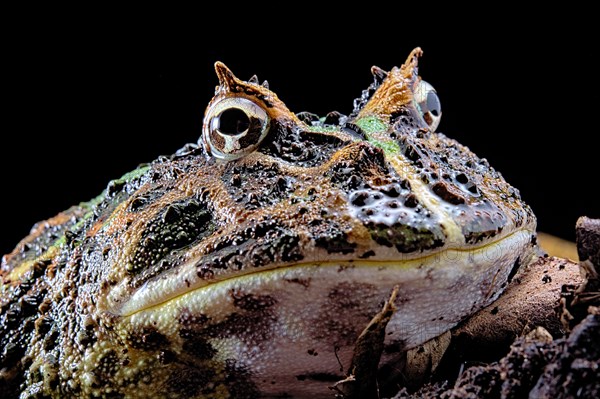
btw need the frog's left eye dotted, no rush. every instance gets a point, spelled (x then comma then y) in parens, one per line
(234, 127)
(428, 103)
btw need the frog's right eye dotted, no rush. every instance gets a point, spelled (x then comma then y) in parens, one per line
(428, 103)
(234, 127)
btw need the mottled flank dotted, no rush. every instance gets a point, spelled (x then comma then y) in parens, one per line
(248, 264)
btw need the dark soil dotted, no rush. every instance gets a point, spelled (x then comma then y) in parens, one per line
(535, 367)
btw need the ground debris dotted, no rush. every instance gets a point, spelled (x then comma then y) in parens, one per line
(588, 248)
(361, 383)
(535, 367)
(508, 351)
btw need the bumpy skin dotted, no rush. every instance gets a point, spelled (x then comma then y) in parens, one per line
(198, 277)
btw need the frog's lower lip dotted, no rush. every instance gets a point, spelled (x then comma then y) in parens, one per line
(499, 255)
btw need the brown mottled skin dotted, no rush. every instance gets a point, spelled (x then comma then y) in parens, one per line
(182, 278)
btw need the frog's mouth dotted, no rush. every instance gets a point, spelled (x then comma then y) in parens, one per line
(486, 266)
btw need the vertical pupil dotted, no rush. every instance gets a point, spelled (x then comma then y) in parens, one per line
(233, 121)
(433, 103)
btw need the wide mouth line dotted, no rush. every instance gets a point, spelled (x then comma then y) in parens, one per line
(406, 263)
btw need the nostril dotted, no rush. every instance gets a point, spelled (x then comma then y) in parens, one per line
(335, 118)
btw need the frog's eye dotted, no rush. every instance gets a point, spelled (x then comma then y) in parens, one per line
(428, 103)
(234, 127)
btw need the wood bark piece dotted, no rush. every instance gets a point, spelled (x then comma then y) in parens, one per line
(361, 383)
(588, 248)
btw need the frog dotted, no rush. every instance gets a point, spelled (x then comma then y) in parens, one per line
(247, 264)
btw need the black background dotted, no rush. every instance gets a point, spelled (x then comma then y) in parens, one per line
(90, 100)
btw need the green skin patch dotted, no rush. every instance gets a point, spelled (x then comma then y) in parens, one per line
(373, 126)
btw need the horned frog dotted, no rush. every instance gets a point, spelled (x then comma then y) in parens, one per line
(247, 265)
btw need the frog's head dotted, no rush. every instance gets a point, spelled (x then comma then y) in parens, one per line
(280, 235)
